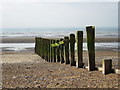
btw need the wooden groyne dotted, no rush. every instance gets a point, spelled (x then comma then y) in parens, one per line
(63, 51)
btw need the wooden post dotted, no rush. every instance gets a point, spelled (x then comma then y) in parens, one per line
(91, 47)
(48, 50)
(54, 52)
(72, 50)
(61, 52)
(39, 46)
(45, 53)
(58, 52)
(79, 40)
(107, 66)
(51, 51)
(66, 41)
(36, 45)
(43, 48)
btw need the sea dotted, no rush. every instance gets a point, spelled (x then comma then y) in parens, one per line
(105, 32)
(56, 32)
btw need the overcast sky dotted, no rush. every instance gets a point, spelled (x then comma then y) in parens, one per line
(35, 14)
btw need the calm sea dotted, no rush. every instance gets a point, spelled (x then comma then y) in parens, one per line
(56, 32)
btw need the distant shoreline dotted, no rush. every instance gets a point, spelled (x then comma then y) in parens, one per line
(32, 39)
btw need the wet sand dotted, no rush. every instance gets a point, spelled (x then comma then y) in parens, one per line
(32, 39)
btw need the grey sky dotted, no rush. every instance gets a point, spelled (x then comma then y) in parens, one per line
(59, 14)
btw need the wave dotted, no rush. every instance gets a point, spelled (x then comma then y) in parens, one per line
(53, 34)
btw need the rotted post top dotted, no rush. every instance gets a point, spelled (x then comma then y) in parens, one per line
(66, 40)
(92, 27)
(72, 38)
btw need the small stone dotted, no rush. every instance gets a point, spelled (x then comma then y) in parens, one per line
(36, 82)
(28, 67)
(50, 70)
(38, 86)
(28, 77)
(14, 77)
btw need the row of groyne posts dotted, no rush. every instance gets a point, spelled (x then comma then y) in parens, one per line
(63, 50)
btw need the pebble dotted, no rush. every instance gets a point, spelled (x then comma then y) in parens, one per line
(28, 67)
(14, 77)
(27, 76)
(37, 86)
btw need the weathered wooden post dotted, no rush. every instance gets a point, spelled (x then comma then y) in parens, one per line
(72, 50)
(39, 46)
(54, 52)
(61, 51)
(51, 51)
(66, 41)
(36, 45)
(79, 41)
(58, 52)
(43, 48)
(91, 47)
(107, 66)
(48, 50)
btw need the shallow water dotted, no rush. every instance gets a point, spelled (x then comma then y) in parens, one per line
(24, 46)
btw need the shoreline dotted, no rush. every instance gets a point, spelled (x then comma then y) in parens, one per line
(32, 39)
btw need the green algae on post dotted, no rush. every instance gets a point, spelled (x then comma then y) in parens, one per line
(58, 51)
(61, 51)
(54, 52)
(51, 51)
